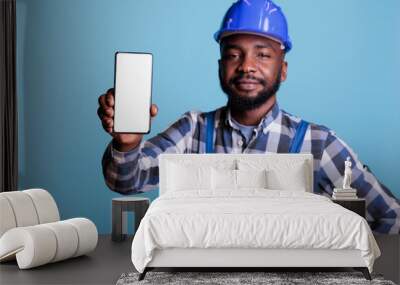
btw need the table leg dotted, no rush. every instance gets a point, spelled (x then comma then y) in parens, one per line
(124, 224)
(117, 219)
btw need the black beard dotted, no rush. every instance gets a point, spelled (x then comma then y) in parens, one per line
(239, 103)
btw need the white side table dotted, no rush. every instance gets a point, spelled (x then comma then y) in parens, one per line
(120, 207)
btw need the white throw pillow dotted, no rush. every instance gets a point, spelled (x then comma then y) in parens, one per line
(229, 179)
(223, 179)
(283, 174)
(293, 178)
(182, 177)
(251, 178)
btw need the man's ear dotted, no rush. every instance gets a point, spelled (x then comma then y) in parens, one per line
(284, 71)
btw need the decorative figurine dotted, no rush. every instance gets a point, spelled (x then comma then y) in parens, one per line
(347, 174)
(346, 192)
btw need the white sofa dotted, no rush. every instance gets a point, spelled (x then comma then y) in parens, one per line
(31, 231)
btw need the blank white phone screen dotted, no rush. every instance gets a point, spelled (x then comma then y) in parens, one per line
(133, 79)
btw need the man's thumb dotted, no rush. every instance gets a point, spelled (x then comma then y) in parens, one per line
(153, 110)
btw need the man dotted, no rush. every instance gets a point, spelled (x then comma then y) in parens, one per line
(253, 42)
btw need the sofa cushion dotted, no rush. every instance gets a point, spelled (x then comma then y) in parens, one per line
(45, 206)
(40, 244)
(7, 220)
(27, 208)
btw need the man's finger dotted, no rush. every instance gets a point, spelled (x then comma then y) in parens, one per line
(100, 112)
(110, 99)
(105, 126)
(110, 123)
(102, 101)
(107, 122)
(109, 112)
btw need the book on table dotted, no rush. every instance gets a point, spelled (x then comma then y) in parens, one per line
(344, 196)
(336, 190)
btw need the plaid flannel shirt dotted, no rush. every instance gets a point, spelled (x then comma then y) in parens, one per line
(137, 170)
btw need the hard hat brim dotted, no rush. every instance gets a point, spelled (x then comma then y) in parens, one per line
(219, 37)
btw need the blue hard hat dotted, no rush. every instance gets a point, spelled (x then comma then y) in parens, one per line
(260, 17)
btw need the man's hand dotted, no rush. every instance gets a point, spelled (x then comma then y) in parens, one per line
(122, 142)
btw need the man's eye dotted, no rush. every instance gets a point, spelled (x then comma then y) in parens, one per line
(231, 56)
(264, 55)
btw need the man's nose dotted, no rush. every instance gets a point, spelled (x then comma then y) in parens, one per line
(247, 65)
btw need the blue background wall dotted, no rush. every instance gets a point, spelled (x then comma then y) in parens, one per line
(343, 73)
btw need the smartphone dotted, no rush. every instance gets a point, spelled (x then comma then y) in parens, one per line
(132, 92)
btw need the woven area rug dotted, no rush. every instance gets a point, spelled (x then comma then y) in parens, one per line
(229, 278)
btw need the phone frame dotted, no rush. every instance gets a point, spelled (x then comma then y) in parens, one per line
(151, 87)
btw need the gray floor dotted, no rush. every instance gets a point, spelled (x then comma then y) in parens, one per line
(389, 263)
(111, 259)
(103, 266)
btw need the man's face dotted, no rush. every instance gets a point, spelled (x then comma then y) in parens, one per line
(250, 70)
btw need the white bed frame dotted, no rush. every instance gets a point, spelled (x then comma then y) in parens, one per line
(250, 258)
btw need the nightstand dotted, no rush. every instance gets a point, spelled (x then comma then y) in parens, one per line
(355, 205)
(120, 207)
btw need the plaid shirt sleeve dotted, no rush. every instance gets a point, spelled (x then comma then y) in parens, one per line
(383, 209)
(136, 171)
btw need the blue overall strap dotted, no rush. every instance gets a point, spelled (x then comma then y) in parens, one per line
(210, 132)
(297, 141)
